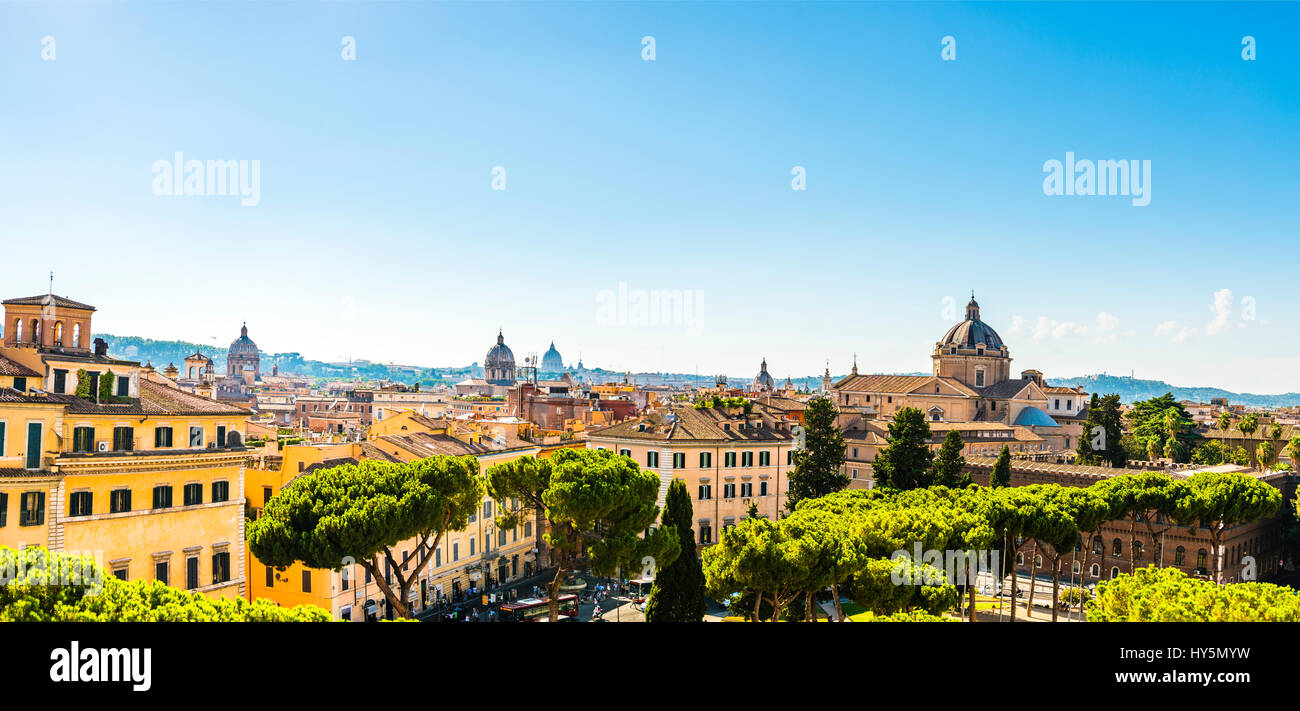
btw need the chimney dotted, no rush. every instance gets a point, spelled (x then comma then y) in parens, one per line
(101, 347)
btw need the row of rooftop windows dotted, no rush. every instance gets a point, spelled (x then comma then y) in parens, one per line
(31, 504)
(729, 459)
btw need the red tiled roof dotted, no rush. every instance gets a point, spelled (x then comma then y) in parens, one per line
(16, 369)
(61, 301)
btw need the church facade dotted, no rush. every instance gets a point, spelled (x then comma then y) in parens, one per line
(971, 382)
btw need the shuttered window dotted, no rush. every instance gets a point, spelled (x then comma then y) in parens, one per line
(31, 509)
(162, 497)
(79, 503)
(123, 439)
(220, 567)
(83, 439)
(119, 501)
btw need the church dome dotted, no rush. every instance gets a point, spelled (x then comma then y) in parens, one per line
(500, 355)
(764, 379)
(972, 331)
(551, 361)
(243, 345)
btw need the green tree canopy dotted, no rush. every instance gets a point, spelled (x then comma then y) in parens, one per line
(360, 512)
(594, 502)
(1156, 421)
(1168, 595)
(1216, 500)
(1103, 425)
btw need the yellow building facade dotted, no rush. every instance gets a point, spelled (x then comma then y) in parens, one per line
(140, 475)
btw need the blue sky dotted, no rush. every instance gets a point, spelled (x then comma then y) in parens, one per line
(378, 234)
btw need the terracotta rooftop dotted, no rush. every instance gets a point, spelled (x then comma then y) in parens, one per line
(60, 301)
(16, 369)
(898, 383)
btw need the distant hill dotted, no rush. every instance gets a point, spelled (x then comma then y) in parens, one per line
(1133, 389)
(161, 353)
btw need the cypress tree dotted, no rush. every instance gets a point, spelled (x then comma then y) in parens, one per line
(678, 591)
(948, 465)
(1001, 475)
(817, 466)
(106, 382)
(905, 462)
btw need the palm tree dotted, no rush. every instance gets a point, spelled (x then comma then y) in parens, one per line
(1153, 449)
(1293, 452)
(1264, 454)
(1249, 424)
(1224, 421)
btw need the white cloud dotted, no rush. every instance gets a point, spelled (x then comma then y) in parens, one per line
(1222, 310)
(1106, 325)
(1017, 325)
(1186, 333)
(1056, 330)
(1166, 328)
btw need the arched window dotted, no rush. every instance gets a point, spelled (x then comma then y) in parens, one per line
(1180, 556)
(58, 333)
(1096, 545)
(1201, 558)
(36, 331)
(1076, 568)
(1114, 572)
(1038, 561)
(1020, 559)
(191, 371)
(18, 330)
(1095, 571)
(1117, 547)
(1137, 550)
(76, 335)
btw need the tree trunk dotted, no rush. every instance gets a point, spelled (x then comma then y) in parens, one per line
(971, 587)
(553, 593)
(1015, 577)
(1215, 534)
(839, 610)
(1033, 580)
(1056, 586)
(808, 608)
(758, 605)
(398, 605)
(1132, 549)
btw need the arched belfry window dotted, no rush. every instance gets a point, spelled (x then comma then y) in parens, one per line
(18, 330)
(76, 335)
(58, 333)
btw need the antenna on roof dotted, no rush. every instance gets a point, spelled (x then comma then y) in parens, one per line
(51, 283)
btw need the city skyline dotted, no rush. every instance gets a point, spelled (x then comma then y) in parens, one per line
(377, 234)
